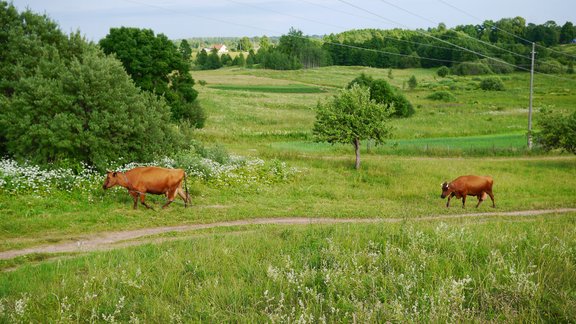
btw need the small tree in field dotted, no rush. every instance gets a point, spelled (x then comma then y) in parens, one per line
(349, 117)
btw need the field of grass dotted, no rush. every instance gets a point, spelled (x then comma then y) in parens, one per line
(481, 269)
(485, 269)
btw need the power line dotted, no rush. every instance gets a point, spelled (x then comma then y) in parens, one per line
(347, 45)
(434, 37)
(464, 34)
(502, 30)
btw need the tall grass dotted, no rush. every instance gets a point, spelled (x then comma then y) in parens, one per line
(504, 270)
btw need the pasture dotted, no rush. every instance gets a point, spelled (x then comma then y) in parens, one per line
(478, 268)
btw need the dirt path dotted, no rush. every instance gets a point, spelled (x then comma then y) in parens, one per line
(111, 240)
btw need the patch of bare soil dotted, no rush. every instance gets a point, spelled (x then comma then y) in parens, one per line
(112, 240)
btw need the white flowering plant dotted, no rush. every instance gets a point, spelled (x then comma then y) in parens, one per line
(232, 171)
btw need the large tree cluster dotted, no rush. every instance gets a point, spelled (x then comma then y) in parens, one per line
(156, 65)
(63, 99)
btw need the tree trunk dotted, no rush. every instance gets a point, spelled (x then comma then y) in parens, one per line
(357, 149)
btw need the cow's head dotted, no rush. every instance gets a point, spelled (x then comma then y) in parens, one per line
(446, 191)
(111, 179)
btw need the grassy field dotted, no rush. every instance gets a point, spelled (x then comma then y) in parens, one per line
(482, 269)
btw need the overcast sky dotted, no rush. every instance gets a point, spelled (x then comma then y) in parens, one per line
(182, 19)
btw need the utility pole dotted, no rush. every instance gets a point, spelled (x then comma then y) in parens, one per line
(531, 95)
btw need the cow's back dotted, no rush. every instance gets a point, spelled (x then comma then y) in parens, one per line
(473, 183)
(154, 179)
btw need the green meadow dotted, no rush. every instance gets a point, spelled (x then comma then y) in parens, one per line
(456, 269)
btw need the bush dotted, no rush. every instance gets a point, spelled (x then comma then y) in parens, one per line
(550, 66)
(412, 82)
(557, 132)
(471, 68)
(442, 96)
(492, 84)
(443, 71)
(382, 92)
(499, 67)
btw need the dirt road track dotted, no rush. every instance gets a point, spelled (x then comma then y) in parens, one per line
(111, 240)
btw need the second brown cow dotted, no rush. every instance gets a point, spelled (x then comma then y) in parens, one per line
(153, 180)
(469, 185)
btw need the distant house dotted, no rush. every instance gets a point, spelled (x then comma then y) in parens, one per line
(221, 48)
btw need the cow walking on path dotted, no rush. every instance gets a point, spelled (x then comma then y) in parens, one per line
(153, 180)
(470, 185)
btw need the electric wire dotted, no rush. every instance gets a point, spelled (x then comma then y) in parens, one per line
(502, 30)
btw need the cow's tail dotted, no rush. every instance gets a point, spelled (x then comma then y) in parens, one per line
(187, 200)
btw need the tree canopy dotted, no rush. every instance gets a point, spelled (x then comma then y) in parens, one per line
(350, 117)
(156, 65)
(73, 102)
(383, 93)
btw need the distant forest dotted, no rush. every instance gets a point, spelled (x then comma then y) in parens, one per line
(503, 46)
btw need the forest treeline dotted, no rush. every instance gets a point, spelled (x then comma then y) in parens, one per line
(502, 46)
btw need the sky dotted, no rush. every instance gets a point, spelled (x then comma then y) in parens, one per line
(178, 19)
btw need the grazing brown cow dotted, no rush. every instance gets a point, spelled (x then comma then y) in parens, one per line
(153, 180)
(469, 185)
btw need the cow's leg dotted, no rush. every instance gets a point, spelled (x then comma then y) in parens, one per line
(170, 195)
(464, 201)
(143, 201)
(480, 199)
(448, 202)
(184, 197)
(135, 196)
(491, 197)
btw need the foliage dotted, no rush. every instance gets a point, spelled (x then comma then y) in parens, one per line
(351, 116)
(296, 47)
(471, 68)
(155, 65)
(550, 66)
(185, 49)
(492, 84)
(443, 71)
(382, 92)
(445, 96)
(412, 82)
(397, 48)
(557, 132)
(76, 103)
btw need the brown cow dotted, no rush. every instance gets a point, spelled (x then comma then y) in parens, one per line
(469, 185)
(153, 180)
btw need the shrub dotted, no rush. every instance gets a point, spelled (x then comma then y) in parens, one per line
(550, 66)
(499, 67)
(557, 132)
(492, 84)
(471, 68)
(412, 82)
(442, 96)
(443, 71)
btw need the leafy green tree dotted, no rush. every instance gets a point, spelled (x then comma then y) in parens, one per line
(265, 43)
(213, 61)
(75, 103)
(202, 59)
(155, 65)
(244, 44)
(557, 132)
(383, 93)
(350, 117)
(185, 49)
(239, 60)
(226, 59)
(567, 33)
